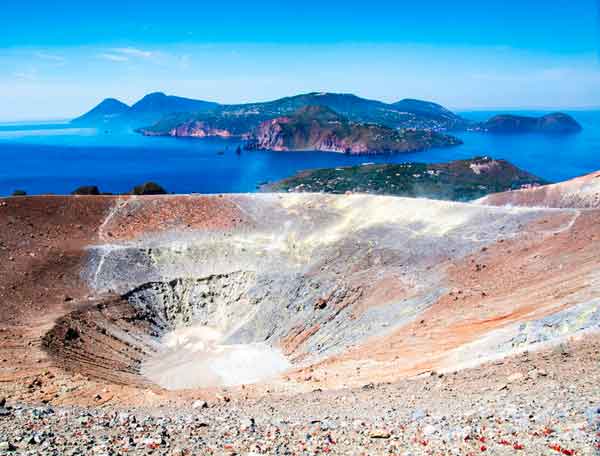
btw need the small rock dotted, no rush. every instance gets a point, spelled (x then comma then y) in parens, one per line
(200, 405)
(380, 434)
(152, 441)
(429, 429)
(7, 446)
(320, 304)
(123, 418)
(249, 424)
(502, 387)
(35, 439)
(418, 414)
(223, 398)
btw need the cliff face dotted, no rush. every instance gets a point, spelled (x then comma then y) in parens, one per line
(199, 129)
(283, 134)
(550, 123)
(321, 129)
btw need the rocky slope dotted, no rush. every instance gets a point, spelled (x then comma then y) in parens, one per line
(550, 123)
(461, 180)
(535, 404)
(582, 192)
(319, 128)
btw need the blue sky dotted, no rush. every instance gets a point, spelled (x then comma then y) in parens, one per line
(59, 58)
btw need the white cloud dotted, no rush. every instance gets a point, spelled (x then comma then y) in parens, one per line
(113, 57)
(133, 52)
(126, 54)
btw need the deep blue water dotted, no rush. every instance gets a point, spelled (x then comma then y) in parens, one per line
(50, 157)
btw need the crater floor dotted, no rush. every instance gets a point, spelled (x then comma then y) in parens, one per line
(191, 357)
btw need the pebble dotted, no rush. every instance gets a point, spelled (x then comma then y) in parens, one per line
(200, 405)
(409, 417)
(379, 434)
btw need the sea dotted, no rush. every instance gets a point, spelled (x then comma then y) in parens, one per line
(54, 158)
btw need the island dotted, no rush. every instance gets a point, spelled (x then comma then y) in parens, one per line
(461, 180)
(159, 114)
(319, 128)
(557, 122)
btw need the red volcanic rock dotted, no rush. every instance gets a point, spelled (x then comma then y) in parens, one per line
(319, 128)
(271, 135)
(199, 129)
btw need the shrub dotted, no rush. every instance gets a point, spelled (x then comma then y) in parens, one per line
(149, 188)
(86, 190)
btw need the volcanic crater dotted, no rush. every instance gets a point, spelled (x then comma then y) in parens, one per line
(182, 296)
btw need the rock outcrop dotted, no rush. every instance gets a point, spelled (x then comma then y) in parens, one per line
(199, 129)
(320, 129)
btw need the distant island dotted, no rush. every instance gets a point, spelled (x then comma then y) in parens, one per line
(322, 129)
(557, 122)
(158, 114)
(112, 113)
(461, 180)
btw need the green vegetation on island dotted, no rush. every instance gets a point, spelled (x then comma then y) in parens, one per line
(460, 180)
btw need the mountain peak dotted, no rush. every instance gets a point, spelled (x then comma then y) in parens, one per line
(154, 95)
(160, 103)
(103, 112)
(111, 101)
